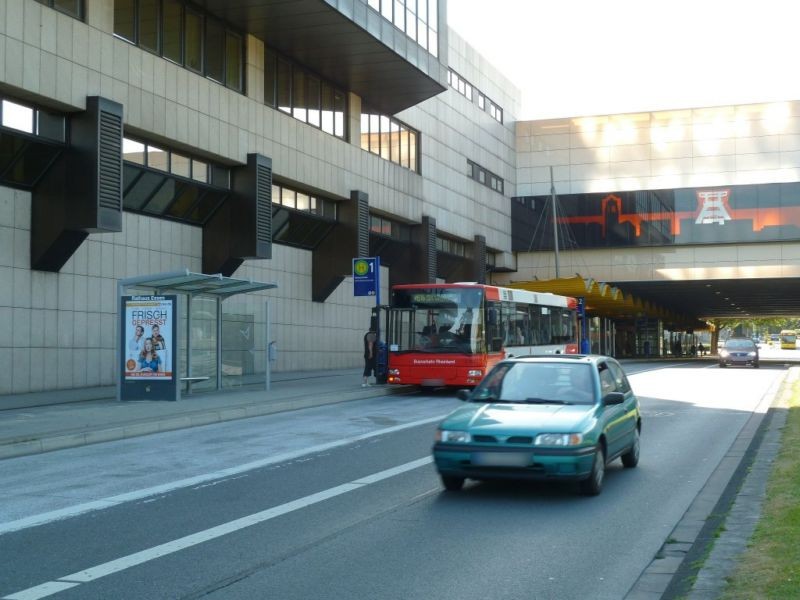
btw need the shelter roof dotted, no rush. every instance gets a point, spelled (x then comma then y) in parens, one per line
(196, 284)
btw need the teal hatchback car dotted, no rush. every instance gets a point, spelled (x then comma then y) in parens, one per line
(556, 418)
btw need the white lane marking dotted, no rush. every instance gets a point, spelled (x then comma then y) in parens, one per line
(41, 591)
(78, 509)
(138, 558)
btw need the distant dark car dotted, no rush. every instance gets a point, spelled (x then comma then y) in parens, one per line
(738, 351)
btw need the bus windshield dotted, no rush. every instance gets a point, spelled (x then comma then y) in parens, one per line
(437, 320)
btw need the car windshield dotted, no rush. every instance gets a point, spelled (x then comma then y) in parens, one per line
(740, 345)
(538, 383)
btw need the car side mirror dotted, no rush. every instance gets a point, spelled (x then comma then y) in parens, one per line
(612, 398)
(463, 395)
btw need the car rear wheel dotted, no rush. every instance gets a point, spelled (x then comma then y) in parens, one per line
(722, 365)
(631, 458)
(755, 365)
(593, 485)
(452, 484)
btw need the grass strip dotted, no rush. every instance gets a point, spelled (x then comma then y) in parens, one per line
(770, 567)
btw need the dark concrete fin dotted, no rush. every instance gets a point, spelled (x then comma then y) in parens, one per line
(242, 227)
(332, 260)
(82, 192)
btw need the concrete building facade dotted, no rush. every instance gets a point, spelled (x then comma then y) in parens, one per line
(190, 136)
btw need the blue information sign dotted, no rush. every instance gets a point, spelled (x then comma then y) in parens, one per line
(366, 276)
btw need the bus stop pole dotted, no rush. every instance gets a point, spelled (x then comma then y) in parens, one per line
(188, 341)
(219, 343)
(268, 371)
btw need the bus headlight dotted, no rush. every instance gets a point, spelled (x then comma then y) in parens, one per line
(475, 373)
(395, 372)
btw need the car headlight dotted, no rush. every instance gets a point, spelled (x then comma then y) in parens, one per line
(723, 353)
(558, 439)
(751, 354)
(454, 437)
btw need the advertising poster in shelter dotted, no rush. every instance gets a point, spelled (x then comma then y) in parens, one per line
(148, 341)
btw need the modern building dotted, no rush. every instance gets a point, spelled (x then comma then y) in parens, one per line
(272, 142)
(696, 209)
(269, 141)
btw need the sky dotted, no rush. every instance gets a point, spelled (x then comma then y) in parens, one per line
(583, 57)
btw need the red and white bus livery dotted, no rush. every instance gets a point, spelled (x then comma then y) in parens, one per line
(451, 334)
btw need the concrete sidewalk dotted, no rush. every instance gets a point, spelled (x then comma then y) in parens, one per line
(33, 430)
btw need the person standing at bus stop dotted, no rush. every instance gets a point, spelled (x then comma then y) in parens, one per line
(370, 356)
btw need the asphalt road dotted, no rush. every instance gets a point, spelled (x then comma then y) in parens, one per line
(343, 502)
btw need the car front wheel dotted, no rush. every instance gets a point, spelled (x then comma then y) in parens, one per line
(593, 485)
(631, 458)
(452, 484)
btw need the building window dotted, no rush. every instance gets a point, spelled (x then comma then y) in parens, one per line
(33, 121)
(389, 228)
(469, 91)
(73, 8)
(449, 246)
(298, 92)
(419, 19)
(390, 139)
(169, 161)
(485, 177)
(185, 35)
(172, 31)
(304, 202)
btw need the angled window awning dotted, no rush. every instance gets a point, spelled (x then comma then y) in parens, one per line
(196, 284)
(153, 192)
(25, 158)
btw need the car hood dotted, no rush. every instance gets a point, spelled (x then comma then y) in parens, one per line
(514, 419)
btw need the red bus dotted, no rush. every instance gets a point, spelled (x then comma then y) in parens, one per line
(451, 334)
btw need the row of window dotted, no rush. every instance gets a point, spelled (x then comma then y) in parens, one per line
(733, 214)
(390, 139)
(297, 200)
(169, 161)
(455, 247)
(298, 92)
(73, 8)
(419, 19)
(526, 325)
(469, 91)
(484, 176)
(185, 35)
(389, 228)
(32, 120)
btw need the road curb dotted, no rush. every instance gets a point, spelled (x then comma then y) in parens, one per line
(38, 444)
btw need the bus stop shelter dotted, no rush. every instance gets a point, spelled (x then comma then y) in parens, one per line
(193, 285)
